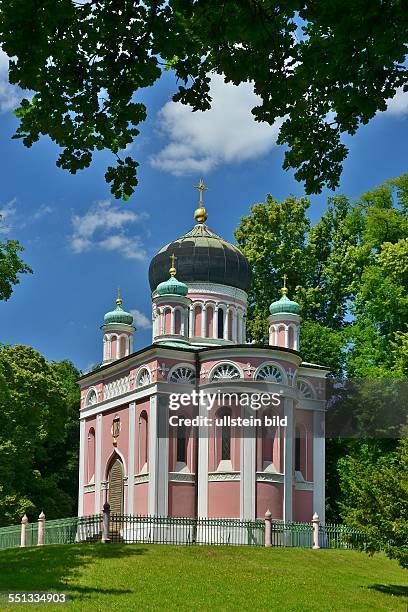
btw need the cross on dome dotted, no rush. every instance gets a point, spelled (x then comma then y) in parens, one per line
(172, 270)
(119, 298)
(284, 289)
(200, 214)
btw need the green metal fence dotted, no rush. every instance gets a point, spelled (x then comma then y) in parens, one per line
(299, 535)
(340, 536)
(184, 531)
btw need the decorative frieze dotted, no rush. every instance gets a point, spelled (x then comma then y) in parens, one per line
(116, 387)
(269, 477)
(223, 476)
(141, 478)
(181, 477)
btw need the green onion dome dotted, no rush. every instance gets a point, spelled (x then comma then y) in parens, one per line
(118, 315)
(284, 305)
(172, 287)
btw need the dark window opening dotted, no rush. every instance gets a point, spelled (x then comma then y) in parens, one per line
(297, 452)
(181, 445)
(220, 327)
(226, 443)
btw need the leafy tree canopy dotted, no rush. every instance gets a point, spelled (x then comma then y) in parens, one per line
(349, 272)
(10, 266)
(321, 68)
(375, 498)
(38, 435)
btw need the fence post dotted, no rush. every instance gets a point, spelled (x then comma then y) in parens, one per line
(24, 522)
(316, 525)
(41, 524)
(268, 530)
(105, 523)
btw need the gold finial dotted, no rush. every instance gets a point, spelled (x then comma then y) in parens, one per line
(172, 269)
(284, 289)
(119, 299)
(200, 214)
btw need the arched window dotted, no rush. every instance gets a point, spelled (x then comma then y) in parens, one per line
(197, 321)
(269, 373)
(298, 450)
(225, 371)
(291, 337)
(143, 378)
(181, 444)
(230, 324)
(220, 323)
(106, 347)
(210, 319)
(123, 342)
(143, 442)
(114, 347)
(305, 389)
(225, 437)
(183, 375)
(177, 321)
(167, 321)
(91, 455)
(91, 398)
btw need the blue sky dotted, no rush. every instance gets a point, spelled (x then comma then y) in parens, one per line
(82, 244)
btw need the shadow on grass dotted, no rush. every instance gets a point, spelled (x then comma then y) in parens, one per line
(55, 567)
(391, 589)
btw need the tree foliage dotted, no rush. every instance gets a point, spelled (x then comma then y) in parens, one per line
(349, 272)
(10, 266)
(38, 436)
(321, 68)
(375, 498)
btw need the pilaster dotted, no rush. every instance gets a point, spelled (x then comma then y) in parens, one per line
(98, 461)
(288, 462)
(82, 450)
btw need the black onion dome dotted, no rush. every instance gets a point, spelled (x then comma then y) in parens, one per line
(202, 256)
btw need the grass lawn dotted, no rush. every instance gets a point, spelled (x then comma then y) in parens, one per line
(154, 577)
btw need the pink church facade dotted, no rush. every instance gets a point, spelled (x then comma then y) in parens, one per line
(132, 456)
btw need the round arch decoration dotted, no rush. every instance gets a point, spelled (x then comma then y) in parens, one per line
(143, 377)
(182, 373)
(305, 389)
(225, 371)
(269, 371)
(91, 397)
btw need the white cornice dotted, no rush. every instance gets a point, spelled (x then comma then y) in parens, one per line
(216, 289)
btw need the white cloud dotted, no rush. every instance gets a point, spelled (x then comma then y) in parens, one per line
(7, 216)
(140, 320)
(398, 105)
(42, 211)
(10, 95)
(200, 141)
(105, 227)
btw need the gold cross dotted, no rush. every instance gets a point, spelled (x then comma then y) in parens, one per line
(119, 299)
(202, 188)
(284, 289)
(172, 269)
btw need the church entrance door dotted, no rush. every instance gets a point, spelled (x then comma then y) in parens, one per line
(116, 489)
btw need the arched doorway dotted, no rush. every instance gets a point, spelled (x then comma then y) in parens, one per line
(116, 488)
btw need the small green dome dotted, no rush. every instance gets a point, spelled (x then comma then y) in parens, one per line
(284, 305)
(118, 315)
(172, 287)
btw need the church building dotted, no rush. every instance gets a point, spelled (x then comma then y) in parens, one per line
(132, 456)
